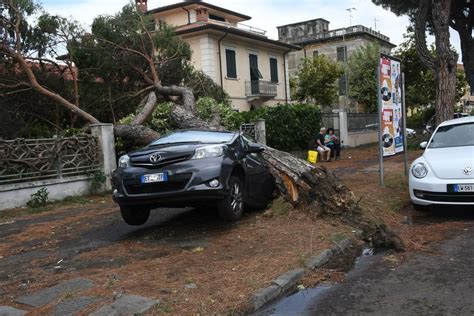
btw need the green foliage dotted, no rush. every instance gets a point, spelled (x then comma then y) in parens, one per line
(161, 120)
(363, 77)
(39, 199)
(204, 86)
(420, 118)
(97, 181)
(420, 83)
(76, 200)
(288, 126)
(121, 45)
(316, 81)
(207, 109)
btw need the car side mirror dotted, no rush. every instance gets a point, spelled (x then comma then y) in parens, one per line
(255, 148)
(423, 145)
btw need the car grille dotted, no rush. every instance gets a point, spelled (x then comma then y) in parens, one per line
(174, 183)
(162, 163)
(445, 197)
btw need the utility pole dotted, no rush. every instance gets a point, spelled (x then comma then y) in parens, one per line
(350, 10)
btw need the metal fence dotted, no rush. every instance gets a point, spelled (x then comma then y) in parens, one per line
(255, 131)
(249, 130)
(331, 120)
(361, 122)
(28, 160)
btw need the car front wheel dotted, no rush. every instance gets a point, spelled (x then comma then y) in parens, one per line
(135, 215)
(231, 207)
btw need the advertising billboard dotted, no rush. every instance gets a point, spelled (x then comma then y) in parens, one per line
(390, 86)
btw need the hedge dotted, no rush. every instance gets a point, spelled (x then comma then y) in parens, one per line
(289, 126)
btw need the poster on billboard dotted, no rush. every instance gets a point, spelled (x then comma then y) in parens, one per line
(390, 86)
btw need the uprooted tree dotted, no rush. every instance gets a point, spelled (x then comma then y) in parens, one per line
(128, 48)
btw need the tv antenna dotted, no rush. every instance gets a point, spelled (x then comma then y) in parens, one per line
(350, 10)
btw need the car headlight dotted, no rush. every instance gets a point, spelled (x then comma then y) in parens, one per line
(124, 162)
(208, 152)
(419, 170)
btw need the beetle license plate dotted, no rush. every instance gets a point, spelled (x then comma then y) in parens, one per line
(462, 188)
(155, 178)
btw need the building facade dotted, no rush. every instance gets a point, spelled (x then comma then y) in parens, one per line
(249, 66)
(315, 38)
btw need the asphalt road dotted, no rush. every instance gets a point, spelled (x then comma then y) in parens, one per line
(437, 282)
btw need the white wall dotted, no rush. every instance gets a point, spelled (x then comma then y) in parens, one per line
(17, 195)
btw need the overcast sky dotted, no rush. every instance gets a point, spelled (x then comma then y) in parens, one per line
(266, 14)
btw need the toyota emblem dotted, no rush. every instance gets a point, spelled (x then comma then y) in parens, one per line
(468, 171)
(155, 158)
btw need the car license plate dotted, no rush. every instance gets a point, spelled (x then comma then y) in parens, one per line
(462, 188)
(155, 178)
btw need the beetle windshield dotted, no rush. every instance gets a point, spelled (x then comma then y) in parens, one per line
(460, 135)
(194, 137)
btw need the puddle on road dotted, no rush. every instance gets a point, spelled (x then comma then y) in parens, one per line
(304, 302)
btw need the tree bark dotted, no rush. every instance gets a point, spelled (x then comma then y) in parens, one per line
(462, 13)
(446, 61)
(444, 64)
(185, 93)
(140, 135)
(146, 110)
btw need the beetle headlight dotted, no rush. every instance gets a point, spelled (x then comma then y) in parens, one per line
(124, 162)
(419, 170)
(208, 152)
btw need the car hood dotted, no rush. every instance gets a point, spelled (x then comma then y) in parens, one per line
(450, 163)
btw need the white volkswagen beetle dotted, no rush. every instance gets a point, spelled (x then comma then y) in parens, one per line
(444, 175)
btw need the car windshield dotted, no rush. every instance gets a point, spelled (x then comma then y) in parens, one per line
(453, 136)
(194, 137)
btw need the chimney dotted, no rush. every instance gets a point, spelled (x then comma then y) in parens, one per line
(202, 14)
(142, 5)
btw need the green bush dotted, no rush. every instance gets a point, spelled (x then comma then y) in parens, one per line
(207, 108)
(289, 126)
(419, 119)
(39, 199)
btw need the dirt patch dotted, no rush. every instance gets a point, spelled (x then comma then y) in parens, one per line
(189, 259)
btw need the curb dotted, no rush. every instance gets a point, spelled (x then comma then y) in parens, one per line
(288, 280)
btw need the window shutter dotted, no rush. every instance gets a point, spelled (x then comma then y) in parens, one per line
(274, 69)
(231, 64)
(255, 72)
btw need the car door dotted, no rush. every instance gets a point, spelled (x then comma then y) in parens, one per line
(259, 182)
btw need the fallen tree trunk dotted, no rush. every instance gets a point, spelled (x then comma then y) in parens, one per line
(314, 188)
(305, 186)
(318, 190)
(140, 135)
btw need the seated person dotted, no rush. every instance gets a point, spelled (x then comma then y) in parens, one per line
(334, 143)
(321, 147)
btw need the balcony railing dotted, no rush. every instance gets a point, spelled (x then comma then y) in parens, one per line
(337, 33)
(240, 26)
(259, 88)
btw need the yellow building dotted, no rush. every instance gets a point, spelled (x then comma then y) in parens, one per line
(251, 68)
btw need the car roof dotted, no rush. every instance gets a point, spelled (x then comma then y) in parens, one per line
(469, 119)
